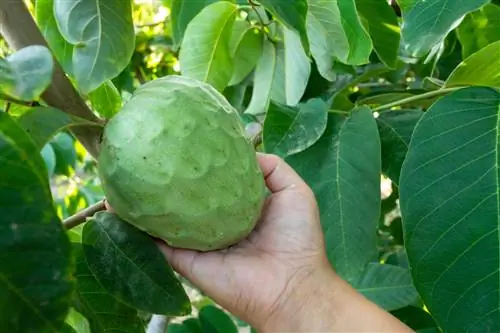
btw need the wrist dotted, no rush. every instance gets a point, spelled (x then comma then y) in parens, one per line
(309, 305)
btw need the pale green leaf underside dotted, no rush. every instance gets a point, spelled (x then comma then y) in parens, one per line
(449, 192)
(205, 53)
(103, 36)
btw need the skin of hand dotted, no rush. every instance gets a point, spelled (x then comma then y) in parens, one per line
(279, 279)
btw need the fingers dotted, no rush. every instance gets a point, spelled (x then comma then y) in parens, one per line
(278, 174)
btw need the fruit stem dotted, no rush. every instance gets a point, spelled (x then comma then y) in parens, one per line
(426, 95)
(81, 216)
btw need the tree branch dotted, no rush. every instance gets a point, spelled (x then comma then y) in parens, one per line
(82, 216)
(20, 30)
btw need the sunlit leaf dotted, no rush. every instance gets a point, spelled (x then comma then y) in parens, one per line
(106, 100)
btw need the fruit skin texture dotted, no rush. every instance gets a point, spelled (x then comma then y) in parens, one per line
(175, 163)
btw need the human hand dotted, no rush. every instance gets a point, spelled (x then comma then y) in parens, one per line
(263, 276)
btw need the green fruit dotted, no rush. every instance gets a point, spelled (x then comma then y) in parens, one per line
(175, 163)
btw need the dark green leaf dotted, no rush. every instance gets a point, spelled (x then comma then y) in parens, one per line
(205, 53)
(214, 320)
(406, 4)
(480, 69)
(343, 168)
(35, 274)
(103, 311)
(479, 28)
(449, 194)
(246, 50)
(415, 318)
(139, 274)
(106, 100)
(396, 128)
(42, 123)
(383, 27)
(388, 286)
(27, 72)
(62, 50)
(263, 79)
(288, 130)
(292, 70)
(427, 24)
(103, 37)
(292, 14)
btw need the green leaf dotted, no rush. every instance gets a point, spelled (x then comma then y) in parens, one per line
(103, 37)
(343, 169)
(336, 33)
(205, 54)
(106, 100)
(415, 318)
(64, 148)
(480, 69)
(78, 322)
(35, 274)
(62, 50)
(449, 194)
(263, 79)
(478, 29)
(103, 311)
(383, 26)
(43, 123)
(289, 130)
(191, 325)
(292, 14)
(138, 265)
(396, 128)
(246, 49)
(214, 320)
(27, 73)
(427, 24)
(388, 286)
(10, 129)
(406, 5)
(292, 70)
(182, 12)
(49, 157)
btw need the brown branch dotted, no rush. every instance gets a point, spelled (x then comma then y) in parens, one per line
(20, 30)
(81, 217)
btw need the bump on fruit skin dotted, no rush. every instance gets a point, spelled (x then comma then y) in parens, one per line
(175, 163)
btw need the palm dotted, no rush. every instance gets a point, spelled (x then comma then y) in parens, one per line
(251, 275)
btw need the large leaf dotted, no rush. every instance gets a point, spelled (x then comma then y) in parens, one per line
(343, 168)
(292, 70)
(427, 23)
(292, 14)
(415, 318)
(388, 286)
(35, 274)
(205, 54)
(214, 320)
(62, 50)
(103, 36)
(263, 79)
(27, 72)
(42, 123)
(106, 100)
(139, 276)
(396, 128)
(290, 130)
(478, 29)
(449, 195)
(382, 24)
(246, 50)
(102, 310)
(182, 13)
(480, 69)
